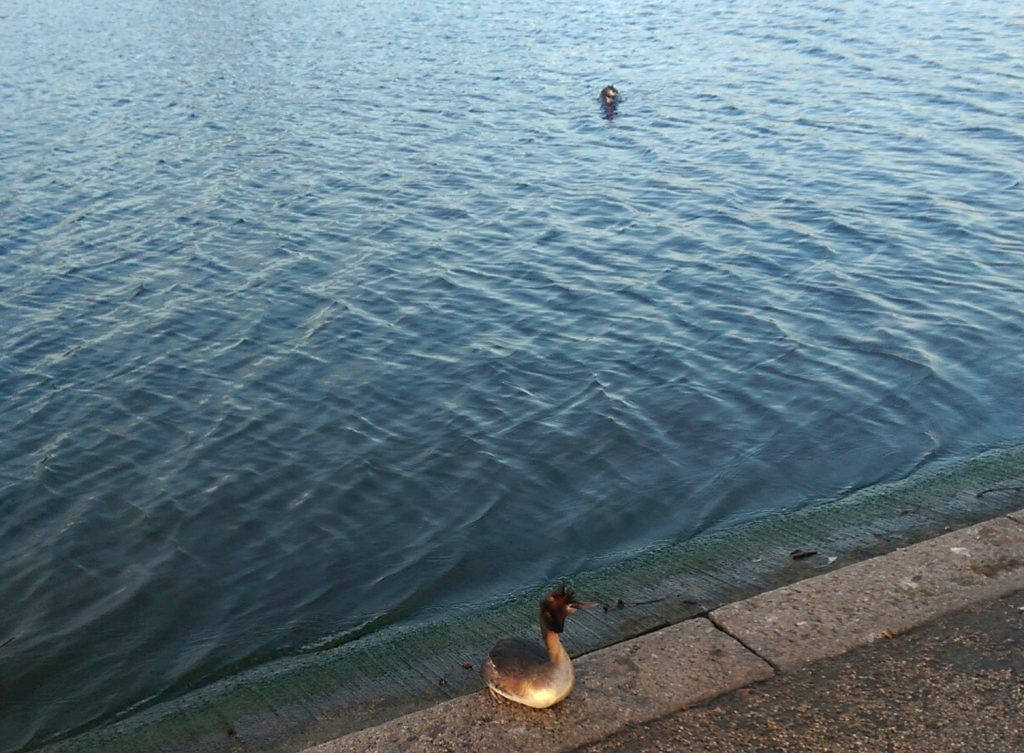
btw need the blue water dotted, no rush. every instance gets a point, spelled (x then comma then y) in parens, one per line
(317, 316)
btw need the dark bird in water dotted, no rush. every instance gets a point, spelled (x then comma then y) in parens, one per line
(609, 99)
(524, 672)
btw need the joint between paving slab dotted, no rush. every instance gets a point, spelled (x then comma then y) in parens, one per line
(711, 618)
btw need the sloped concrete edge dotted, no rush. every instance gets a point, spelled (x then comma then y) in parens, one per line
(694, 661)
(833, 613)
(635, 681)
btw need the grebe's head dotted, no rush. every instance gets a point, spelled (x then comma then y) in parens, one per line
(609, 94)
(558, 605)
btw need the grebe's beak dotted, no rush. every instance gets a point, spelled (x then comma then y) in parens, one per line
(584, 604)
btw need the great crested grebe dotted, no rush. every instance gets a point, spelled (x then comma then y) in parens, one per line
(609, 95)
(524, 672)
(609, 99)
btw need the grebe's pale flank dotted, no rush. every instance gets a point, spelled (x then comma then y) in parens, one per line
(526, 673)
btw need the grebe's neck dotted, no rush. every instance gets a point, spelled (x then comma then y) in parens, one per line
(556, 652)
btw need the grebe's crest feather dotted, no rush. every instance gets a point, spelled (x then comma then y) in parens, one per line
(556, 606)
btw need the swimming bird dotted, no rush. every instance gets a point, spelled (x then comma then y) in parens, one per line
(609, 99)
(524, 672)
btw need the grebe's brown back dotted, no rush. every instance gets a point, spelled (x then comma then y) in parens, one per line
(525, 672)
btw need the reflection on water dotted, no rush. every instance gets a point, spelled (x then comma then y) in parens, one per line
(317, 318)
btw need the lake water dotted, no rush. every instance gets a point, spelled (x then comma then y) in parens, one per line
(321, 317)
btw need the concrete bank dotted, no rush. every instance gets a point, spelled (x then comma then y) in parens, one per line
(391, 668)
(752, 640)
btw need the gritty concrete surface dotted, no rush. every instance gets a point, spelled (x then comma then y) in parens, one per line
(631, 682)
(1018, 516)
(835, 612)
(956, 684)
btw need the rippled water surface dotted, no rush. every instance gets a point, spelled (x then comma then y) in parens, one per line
(317, 317)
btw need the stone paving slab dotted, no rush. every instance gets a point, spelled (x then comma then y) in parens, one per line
(634, 681)
(1018, 516)
(954, 684)
(830, 614)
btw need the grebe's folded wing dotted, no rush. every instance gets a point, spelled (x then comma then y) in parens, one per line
(516, 656)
